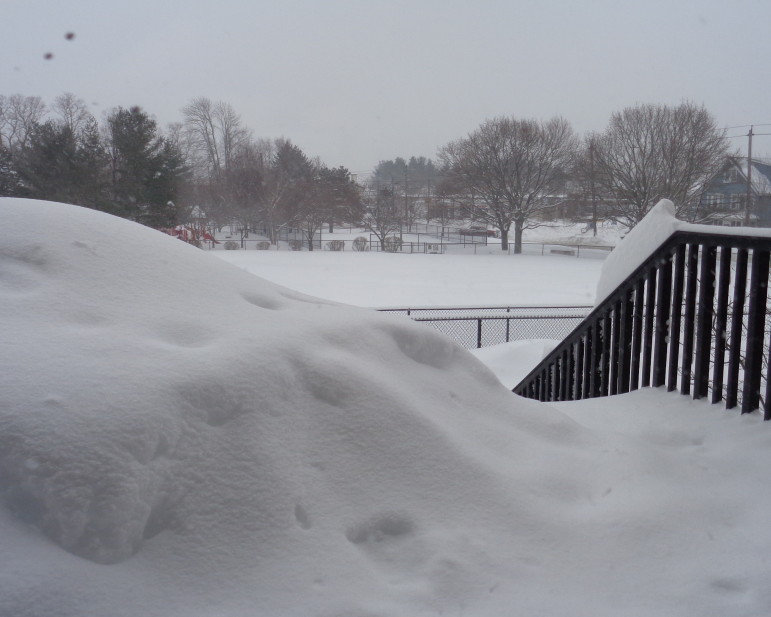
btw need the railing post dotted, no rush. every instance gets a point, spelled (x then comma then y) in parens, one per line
(579, 373)
(606, 340)
(737, 317)
(721, 318)
(479, 333)
(639, 295)
(688, 317)
(650, 299)
(661, 331)
(704, 322)
(587, 385)
(625, 341)
(615, 347)
(756, 316)
(676, 318)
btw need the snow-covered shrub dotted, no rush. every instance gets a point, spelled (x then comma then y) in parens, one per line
(392, 244)
(296, 245)
(230, 245)
(263, 245)
(335, 245)
(360, 244)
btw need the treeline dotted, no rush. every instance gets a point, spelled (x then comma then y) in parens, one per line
(127, 165)
(509, 173)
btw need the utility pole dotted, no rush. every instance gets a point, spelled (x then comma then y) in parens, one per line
(591, 180)
(406, 203)
(748, 203)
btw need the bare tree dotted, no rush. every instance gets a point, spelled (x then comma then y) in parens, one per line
(215, 135)
(650, 152)
(381, 214)
(511, 167)
(19, 115)
(71, 112)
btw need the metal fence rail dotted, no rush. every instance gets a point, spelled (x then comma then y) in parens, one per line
(693, 317)
(475, 327)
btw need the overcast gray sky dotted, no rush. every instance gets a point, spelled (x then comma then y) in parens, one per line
(356, 82)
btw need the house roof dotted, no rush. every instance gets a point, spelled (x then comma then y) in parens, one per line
(761, 174)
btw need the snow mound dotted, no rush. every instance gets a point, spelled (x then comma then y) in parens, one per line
(162, 408)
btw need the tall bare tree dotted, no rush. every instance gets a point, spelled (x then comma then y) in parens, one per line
(215, 135)
(71, 112)
(381, 215)
(511, 167)
(650, 152)
(19, 115)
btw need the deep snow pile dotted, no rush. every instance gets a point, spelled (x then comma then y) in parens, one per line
(179, 437)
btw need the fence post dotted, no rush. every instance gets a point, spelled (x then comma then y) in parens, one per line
(479, 333)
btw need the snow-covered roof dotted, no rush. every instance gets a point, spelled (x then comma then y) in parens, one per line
(761, 175)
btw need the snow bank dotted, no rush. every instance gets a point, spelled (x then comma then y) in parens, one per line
(181, 438)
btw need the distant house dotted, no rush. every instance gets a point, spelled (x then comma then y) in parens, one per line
(724, 198)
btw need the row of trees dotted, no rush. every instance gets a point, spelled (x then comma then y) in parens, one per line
(507, 173)
(129, 167)
(125, 166)
(511, 171)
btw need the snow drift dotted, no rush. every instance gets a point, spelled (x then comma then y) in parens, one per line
(179, 437)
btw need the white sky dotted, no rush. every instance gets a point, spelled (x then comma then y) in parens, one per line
(355, 82)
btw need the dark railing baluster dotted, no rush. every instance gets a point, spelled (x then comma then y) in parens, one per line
(626, 331)
(756, 319)
(721, 318)
(595, 386)
(691, 268)
(737, 319)
(704, 322)
(661, 327)
(650, 303)
(572, 351)
(676, 319)
(580, 372)
(639, 296)
(606, 340)
(615, 348)
(587, 381)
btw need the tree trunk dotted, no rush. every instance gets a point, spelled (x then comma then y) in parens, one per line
(504, 239)
(517, 237)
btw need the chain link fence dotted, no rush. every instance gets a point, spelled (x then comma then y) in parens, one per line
(474, 327)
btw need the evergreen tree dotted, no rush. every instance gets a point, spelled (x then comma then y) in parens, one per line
(10, 184)
(59, 165)
(146, 169)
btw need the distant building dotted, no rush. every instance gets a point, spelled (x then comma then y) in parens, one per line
(724, 199)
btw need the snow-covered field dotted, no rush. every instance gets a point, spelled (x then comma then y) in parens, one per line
(385, 280)
(179, 437)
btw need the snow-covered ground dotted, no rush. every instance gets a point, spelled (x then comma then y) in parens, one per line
(179, 437)
(384, 280)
